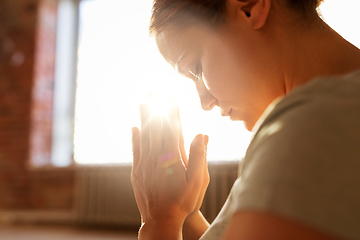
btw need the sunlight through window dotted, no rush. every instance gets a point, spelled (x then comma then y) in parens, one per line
(119, 65)
(343, 16)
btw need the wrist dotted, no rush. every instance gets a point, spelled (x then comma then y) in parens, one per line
(167, 228)
(194, 218)
(195, 225)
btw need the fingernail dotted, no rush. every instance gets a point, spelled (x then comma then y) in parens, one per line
(200, 138)
(133, 131)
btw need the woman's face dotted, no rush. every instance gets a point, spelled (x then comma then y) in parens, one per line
(232, 68)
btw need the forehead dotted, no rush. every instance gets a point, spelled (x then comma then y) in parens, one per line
(174, 44)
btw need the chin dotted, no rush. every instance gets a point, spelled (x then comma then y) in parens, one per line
(248, 126)
(248, 122)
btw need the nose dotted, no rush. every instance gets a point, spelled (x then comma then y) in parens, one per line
(208, 101)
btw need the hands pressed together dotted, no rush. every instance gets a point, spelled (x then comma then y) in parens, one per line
(169, 187)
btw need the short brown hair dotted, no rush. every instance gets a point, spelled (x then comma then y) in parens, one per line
(304, 5)
(184, 13)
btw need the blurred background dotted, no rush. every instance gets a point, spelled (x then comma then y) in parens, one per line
(72, 75)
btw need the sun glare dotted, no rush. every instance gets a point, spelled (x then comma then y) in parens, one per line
(119, 65)
(160, 105)
(343, 16)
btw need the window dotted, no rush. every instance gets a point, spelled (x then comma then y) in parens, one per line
(119, 64)
(343, 16)
(64, 87)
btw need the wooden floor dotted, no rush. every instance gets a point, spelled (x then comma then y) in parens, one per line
(61, 233)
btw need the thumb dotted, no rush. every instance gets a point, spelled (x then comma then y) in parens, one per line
(197, 160)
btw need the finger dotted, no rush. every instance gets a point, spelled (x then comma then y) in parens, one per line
(144, 136)
(204, 186)
(206, 169)
(197, 159)
(206, 141)
(171, 131)
(182, 148)
(156, 138)
(181, 141)
(135, 146)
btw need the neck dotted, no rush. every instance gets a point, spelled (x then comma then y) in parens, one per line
(315, 51)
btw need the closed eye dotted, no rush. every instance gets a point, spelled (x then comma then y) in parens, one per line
(197, 73)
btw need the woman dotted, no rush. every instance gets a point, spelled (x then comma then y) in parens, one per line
(259, 61)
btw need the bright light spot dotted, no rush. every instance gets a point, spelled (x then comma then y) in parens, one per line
(270, 130)
(343, 16)
(119, 64)
(160, 105)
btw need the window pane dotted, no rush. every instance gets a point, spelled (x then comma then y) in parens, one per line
(63, 112)
(118, 65)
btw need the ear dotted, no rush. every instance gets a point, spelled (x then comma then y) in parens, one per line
(255, 12)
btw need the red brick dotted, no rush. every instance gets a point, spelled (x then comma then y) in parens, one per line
(27, 53)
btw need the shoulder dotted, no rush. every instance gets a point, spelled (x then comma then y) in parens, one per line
(304, 160)
(325, 107)
(316, 124)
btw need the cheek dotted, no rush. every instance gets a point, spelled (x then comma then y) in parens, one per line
(231, 69)
(222, 76)
(213, 79)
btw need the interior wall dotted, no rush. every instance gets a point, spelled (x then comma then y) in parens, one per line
(23, 186)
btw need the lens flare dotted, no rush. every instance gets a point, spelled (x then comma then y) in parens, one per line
(160, 105)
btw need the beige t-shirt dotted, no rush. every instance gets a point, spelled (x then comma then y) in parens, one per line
(304, 160)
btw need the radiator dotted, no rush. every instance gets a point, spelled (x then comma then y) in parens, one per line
(105, 196)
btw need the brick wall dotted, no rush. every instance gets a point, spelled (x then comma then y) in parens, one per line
(27, 51)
